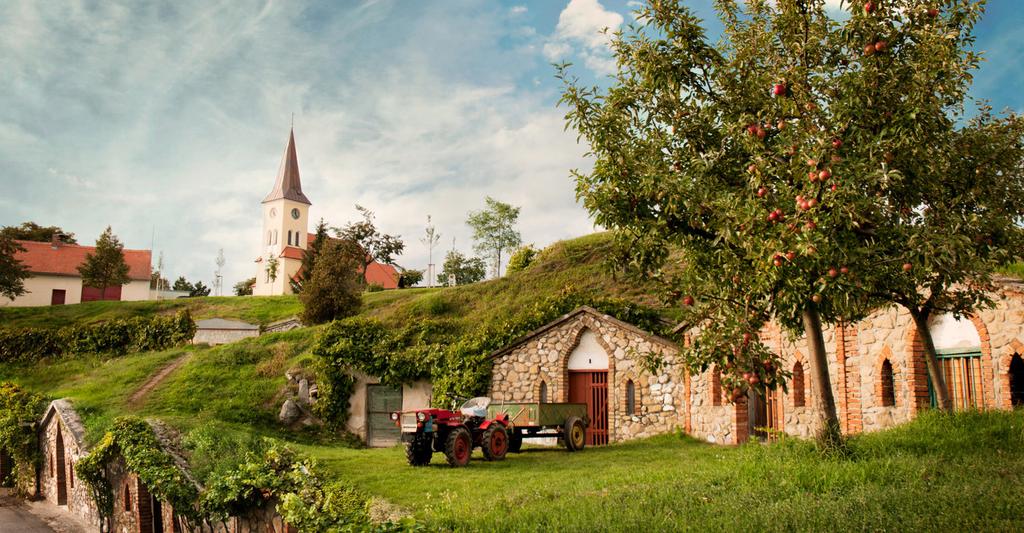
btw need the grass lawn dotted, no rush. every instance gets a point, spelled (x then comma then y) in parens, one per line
(938, 473)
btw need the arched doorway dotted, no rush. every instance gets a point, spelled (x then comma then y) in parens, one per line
(1017, 380)
(62, 480)
(958, 348)
(588, 383)
(764, 414)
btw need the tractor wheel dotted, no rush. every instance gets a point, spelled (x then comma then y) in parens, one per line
(458, 447)
(574, 433)
(495, 442)
(418, 452)
(515, 441)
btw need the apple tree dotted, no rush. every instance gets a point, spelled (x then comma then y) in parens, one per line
(785, 161)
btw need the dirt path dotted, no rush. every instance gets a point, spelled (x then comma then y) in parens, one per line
(147, 387)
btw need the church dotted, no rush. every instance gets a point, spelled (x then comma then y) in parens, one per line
(286, 236)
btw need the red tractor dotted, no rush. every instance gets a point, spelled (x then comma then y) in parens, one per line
(454, 433)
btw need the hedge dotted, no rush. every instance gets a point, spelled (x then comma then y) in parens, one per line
(119, 336)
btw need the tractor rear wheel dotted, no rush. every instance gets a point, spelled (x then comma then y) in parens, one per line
(458, 446)
(495, 442)
(418, 452)
(574, 433)
(515, 441)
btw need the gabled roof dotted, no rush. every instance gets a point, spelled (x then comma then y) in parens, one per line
(288, 184)
(569, 316)
(382, 274)
(62, 409)
(64, 259)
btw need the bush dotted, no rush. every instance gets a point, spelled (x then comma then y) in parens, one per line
(374, 287)
(119, 336)
(521, 259)
(335, 288)
(19, 410)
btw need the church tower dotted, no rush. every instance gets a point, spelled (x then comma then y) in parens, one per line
(285, 228)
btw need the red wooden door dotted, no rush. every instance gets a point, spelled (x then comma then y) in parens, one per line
(591, 388)
(57, 296)
(92, 294)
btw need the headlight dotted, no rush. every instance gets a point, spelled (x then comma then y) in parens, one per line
(394, 416)
(421, 416)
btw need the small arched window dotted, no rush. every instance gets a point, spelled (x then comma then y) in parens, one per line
(71, 473)
(888, 384)
(630, 398)
(270, 237)
(127, 498)
(716, 387)
(543, 392)
(275, 236)
(799, 388)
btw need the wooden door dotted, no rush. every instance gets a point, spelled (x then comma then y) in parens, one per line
(62, 487)
(764, 414)
(591, 388)
(57, 296)
(93, 294)
(381, 401)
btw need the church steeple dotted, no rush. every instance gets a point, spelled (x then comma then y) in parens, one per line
(288, 184)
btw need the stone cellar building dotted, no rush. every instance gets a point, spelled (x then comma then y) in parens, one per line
(876, 366)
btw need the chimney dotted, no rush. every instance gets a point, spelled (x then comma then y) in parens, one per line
(55, 240)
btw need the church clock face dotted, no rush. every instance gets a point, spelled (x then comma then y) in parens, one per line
(295, 213)
(273, 212)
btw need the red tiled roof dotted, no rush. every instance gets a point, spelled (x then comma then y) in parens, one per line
(43, 258)
(291, 252)
(384, 275)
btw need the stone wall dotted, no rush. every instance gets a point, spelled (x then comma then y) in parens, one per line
(544, 357)
(223, 336)
(61, 439)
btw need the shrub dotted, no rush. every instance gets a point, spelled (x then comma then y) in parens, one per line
(19, 410)
(334, 290)
(119, 336)
(374, 287)
(521, 259)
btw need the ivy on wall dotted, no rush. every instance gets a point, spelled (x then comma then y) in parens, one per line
(19, 411)
(456, 362)
(119, 336)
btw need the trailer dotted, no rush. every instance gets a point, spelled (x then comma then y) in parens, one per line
(536, 420)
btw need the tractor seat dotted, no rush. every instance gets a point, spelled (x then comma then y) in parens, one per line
(477, 407)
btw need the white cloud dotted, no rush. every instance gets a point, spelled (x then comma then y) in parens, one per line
(517, 10)
(585, 27)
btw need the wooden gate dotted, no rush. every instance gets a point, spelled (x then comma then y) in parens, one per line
(58, 296)
(764, 414)
(591, 388)
(381, 401)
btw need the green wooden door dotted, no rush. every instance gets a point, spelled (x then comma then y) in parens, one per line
(381, 401)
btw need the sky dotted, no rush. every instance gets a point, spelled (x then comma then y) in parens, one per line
(168, 120)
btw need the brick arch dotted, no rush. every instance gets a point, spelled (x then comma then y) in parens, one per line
(638, 394)
(886, 355)
(1016, 347)
(798, 358)
(918, 368)
(553, 389)
(585, 323)
(987, 375)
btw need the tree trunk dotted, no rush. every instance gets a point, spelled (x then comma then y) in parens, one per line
(830, 434)
(932, 361)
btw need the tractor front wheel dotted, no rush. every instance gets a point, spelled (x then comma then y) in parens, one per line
(574, 433)
(418, 452)
(495, 442)
(458, 446)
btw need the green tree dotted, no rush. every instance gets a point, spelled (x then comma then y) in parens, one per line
(335, 289)
(182, 284)
(244, 287)
(408, 278)
(106, 267)
(12, 271)
(199, 290)
(377, 246)
(461, 269)
(520, 259)
(786, 162)
(309, 257)
(30, 231)
(494, 230)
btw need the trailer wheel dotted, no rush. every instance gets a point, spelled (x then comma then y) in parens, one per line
(458, 447)
(515, 441)
(574, 433)
(418, 452)
(495, 442)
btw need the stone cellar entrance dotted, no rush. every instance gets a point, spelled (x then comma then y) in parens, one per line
(61, 477)
(1017, 380)
(764, 414)
(591, 388)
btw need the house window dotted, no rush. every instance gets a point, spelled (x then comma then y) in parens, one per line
(270, 238)
(127, 498)
(716, 387)
(543, 392)
(289, 237)
(275, 236)
(630, 398)
(799, 389)
(888, 384)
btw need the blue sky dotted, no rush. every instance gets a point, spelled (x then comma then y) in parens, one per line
(171, 117)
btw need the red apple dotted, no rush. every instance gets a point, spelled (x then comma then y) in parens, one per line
(933, 12)
(812, 175)
(790, 255)
(869, 49)
(811, 225)
(824, 174)
(781, 125)
(761, 192)
(752, 129)
(812, 163)
(844, 270)
(779, 89)
(836, 143)
(869, 7)
(747, 337)
(777, 261)
(832, 272)
(753, 379)
(834, 186)
(811, 250)
(688, 301)
(907, 267)
(812, 203)
(880, 46)
(816, 298)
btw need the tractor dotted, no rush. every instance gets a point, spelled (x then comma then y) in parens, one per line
(455, 433)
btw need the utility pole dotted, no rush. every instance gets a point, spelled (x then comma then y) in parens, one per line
(431, 238)
(218, 279)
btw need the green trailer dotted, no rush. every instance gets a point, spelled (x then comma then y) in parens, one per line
(565, 421)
